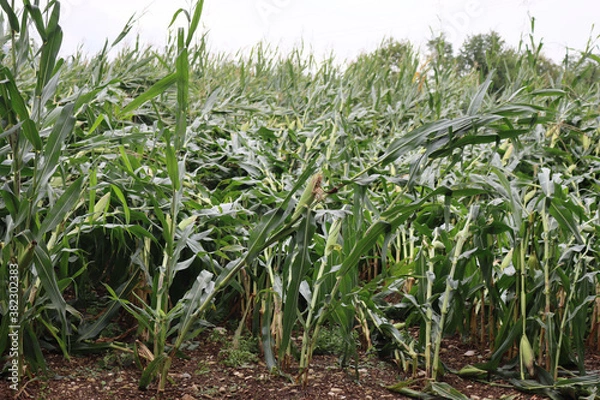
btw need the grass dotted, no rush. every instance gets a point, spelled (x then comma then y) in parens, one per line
(241, 354)
(237, 358)
(203, 369)
(190, 188)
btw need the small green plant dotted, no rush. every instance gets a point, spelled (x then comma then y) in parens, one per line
(240, 355)
(218, 335)
(237, 358)
(202, 368)
(331, 340)
(117, 360)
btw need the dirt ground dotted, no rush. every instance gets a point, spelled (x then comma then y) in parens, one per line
(204, 375)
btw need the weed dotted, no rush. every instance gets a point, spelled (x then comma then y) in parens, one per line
(244, 355)
(237, 358)
(331, 340)
(117, 360)
(202, 368)
(218, 335)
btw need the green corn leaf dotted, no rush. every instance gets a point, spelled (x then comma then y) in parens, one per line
(92, 330)
(11, 202)
(45, 271)
(93, 182)
(548, 92)
(54, 17)
(66, 203)
(83, 98)
(33, 345)
(446, 391)
(56, 140)
(123, 201)
(50, 50)
(126, 161)
(267, 338)
(565, 218)
(12, 17)
(155, 90)
(182, 70)
(152, 370)
(296, 272)
(97, 123)
(38, 19)
(194, 22)
(477, 100)
(49, 91)
(365, 243)
(421, 136)
(17, 103)
(176, 14)
(203, 286)
(125, 31)
(268, 231)
(401, 388)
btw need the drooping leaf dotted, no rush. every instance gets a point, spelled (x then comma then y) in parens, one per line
(295, 273)
(56, 140)
(64, 205)
(155, 90)
(446, 391)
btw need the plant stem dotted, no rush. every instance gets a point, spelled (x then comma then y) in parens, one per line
(429, 314)
(547, 314)
(523, 301)
(564, 318)
(461, 238)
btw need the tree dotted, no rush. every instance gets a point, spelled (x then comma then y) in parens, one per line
(583, 71)
(486, 53)
(481, 52)
(441, 51)
(393, 52)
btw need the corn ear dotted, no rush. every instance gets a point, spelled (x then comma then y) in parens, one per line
(438, 245)
(313, 190)
(27, 256)
(533, 262)
(332, 239)
(506, 260)
(527, 356)
(529, 195)
(507, 154)
(470, 371)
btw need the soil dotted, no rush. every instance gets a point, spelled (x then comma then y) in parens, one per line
(203, 375)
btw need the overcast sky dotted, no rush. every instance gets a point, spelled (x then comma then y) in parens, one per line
(348, 27)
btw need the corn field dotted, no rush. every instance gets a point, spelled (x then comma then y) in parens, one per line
(397, 200)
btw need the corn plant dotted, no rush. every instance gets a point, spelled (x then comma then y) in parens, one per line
(41, 188)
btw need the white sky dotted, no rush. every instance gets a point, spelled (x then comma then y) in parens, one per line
(348, 27)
